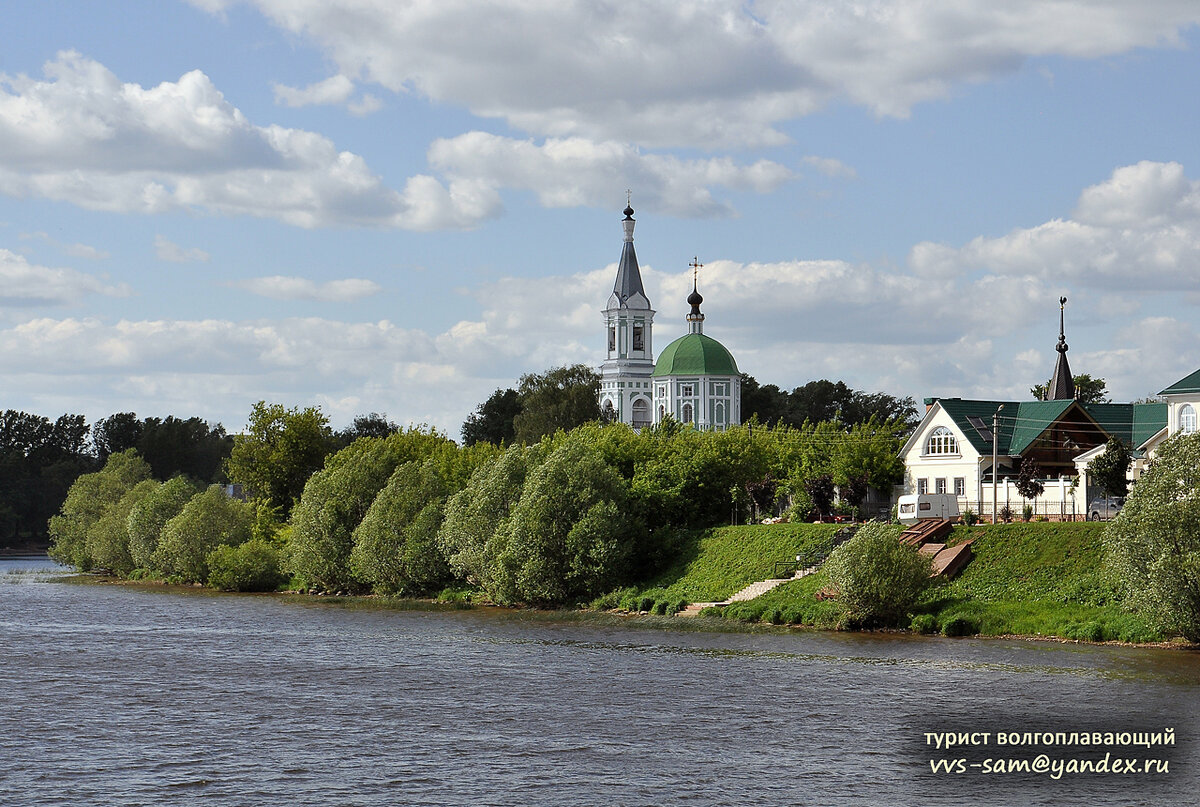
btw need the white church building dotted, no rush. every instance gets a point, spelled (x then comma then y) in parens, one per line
(695, 379)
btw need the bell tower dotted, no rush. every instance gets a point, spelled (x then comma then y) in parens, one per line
(625, 390)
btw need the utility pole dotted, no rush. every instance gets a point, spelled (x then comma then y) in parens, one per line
(995, 445)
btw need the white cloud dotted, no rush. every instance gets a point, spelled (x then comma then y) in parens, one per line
(279, 287)
(1139, 230)
(167, 250)
(334, 91)
(76, 250)
(576, 171)
(83, 137)
(23, 284)
(712, 74)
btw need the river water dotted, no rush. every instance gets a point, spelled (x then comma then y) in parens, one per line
(116, 695)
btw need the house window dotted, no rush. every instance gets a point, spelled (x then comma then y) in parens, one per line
(939, 485)
(942, 441)
(1187, 419)
(960, 486)
(687, 413)
(922, 486)
(612, 339)
(639, 337)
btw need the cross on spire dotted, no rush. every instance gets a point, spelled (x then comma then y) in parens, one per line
(628, 197)
(696, 267)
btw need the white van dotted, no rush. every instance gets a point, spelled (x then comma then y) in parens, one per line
(914, 507)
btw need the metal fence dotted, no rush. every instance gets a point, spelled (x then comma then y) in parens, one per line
(1049, 509)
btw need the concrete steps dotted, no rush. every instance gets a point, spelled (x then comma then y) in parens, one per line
(750, 592)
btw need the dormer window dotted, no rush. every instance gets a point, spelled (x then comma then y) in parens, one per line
(941, 442)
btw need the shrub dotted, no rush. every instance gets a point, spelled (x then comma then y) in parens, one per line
(877, 578)
(87, 500)
(1027, 512)
(253, 566)
(149, 516)
(960, 625)
(924, 624)
(1006, 514)
(1153, 546)
(207, 521)
(970, 517)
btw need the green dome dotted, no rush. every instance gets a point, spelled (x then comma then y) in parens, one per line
(695, 354)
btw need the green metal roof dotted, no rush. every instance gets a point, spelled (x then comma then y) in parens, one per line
(1022, 422)
(1188, 384)
(1033, 418)
(695, 354)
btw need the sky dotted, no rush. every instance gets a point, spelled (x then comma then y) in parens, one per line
(373, 206)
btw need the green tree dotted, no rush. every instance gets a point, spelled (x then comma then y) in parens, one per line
(39, 461)
(878, 579)
(570, 537)
(372, 425)
(1110, 469)
(767, 403)
(1153, 546)
(87, 500)
(395, 546)
(560, 398)
(280, 450)
(148, 516)
(108, 538)
(116, 433)
(207, 521)
(474, 514)
(1087, 389)
(492, 420)
(336, 499)
(191, 447)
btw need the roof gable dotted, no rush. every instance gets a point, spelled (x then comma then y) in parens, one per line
(1189, 383)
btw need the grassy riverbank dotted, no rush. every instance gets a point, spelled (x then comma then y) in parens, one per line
(1036, 579)
(713, 564)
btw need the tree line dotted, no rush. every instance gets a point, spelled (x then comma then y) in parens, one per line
(555, 521)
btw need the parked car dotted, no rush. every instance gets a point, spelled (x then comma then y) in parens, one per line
(1104, 508)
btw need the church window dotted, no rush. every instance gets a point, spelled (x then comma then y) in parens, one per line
(639, 340)
(612, 339)
(687, 390)
(687, 413)
(662, 412)
(719, 413)
(1187, 419)
(942, 441)
(662, 392)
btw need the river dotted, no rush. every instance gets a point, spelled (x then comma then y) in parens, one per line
(119, 695)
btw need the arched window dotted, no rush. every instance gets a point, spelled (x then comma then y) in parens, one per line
(942, 441)
(641, 413)
(1187, 419)
(687, 413)
(662, 413)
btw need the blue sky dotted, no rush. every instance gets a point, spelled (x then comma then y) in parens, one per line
(372, 206)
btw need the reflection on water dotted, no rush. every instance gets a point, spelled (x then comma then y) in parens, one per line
(135, 695)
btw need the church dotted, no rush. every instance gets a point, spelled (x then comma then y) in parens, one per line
(695, 379)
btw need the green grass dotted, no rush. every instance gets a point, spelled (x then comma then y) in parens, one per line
(713, 564)
(1025, 579)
